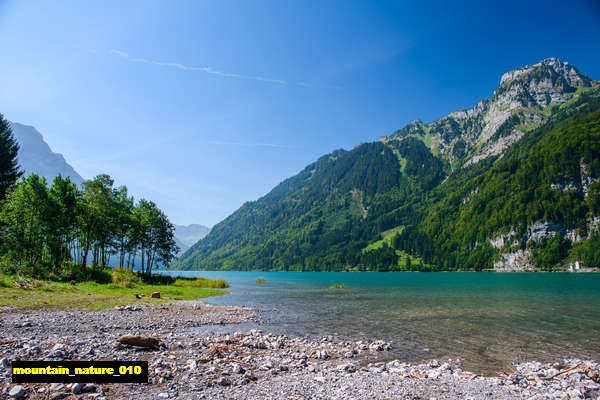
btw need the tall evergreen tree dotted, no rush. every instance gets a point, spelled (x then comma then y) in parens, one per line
(9, 167)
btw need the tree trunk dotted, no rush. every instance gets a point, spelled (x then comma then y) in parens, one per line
(122, 256)
(85, 254)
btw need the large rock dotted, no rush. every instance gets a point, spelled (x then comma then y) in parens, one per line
(148, 342)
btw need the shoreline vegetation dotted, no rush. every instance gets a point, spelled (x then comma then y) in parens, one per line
(104, 288)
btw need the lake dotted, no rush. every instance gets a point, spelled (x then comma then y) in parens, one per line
(488, 320)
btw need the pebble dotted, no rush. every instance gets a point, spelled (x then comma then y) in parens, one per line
(199, 362)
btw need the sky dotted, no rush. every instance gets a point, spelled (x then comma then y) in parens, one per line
(201, 106)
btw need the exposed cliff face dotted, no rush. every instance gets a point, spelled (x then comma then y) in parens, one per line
(514, 258)
(522, 101)
(36, 157)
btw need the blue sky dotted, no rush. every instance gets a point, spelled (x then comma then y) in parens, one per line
(204, 105)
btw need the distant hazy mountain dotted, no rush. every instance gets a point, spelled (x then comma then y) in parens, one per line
(35, 156)
(187, 235)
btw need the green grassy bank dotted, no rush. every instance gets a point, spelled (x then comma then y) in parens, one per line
(120, 289)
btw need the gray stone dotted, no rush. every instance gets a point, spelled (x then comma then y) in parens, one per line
(56, 386)
(266, 366)
(238, 369)
(77, 388)
(88, 388)
(17, 392)
(224, 382)
(350, 368)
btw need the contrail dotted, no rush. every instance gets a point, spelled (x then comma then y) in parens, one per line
(207, 70)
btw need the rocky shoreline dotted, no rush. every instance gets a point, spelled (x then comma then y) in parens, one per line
(193, 363)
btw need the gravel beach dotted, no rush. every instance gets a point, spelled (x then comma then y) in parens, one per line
(197, 363)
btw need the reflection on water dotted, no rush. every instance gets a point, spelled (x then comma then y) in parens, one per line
(488, 320)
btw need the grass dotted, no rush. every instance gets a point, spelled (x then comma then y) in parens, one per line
(338, 286)
(386, 237)
(92, 295)
(261, 280)
(401, 159)
(202, 283)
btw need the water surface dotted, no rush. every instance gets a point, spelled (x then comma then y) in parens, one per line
(488, 320)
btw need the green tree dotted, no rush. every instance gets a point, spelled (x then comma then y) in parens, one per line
(64, 197)
(123, 214)
(98, 219)
(26, 218)
(154, 234)
(9, 167)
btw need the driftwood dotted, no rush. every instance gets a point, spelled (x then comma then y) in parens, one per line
(8, 341)
(237, 362)
(417, 375)
(591, 374)
(207, 360)
(148, 342)
(560, 372)
(24, 285)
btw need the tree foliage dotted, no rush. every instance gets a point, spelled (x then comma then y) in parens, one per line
(9, 168)
(46, 230)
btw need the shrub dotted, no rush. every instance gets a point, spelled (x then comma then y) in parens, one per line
(124, 278)
(338, 286)
(75, 272)
(201, 283)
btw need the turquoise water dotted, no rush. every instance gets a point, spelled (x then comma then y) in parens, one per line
(488, 320)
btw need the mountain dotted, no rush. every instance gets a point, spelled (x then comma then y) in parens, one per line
(35, 156)
(187, 235)
(511, 183)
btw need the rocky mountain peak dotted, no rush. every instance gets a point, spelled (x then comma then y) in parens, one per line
(520, 103)
(549, 72)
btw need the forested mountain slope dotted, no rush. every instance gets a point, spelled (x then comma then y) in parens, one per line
(510, 183)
